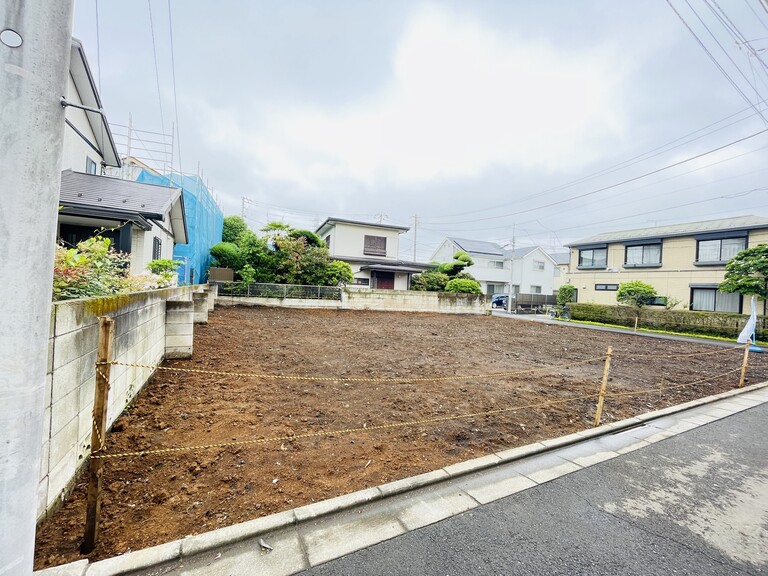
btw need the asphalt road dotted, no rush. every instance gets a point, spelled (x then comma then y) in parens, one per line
(695, 503)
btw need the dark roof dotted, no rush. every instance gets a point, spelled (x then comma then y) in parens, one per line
(749, 222)
(334, 221)
(89, 96)
(561, 257)
(478, 246)
(95, 196)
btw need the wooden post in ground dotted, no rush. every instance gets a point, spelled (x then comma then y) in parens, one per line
(603, 386)
(98, 432)
(744, 364)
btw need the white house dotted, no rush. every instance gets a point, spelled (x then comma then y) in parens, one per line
(373, 251)
(141, 219)
(531, 269)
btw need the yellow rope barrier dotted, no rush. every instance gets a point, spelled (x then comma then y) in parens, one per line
(364, 428)
(356, 379)
(711, 352)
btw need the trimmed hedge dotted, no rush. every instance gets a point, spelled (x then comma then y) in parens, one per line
(708, 323)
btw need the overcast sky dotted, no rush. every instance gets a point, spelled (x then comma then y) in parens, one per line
(544, 120)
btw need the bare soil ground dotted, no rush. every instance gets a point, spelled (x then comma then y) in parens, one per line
(157, 498)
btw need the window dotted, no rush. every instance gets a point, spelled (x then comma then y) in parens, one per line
(535, 289)
(719, 251)
(496, 264)
(157, 246)
(606, 287)
(90, 165)
(593, 258)
(495, 289)
(538, 265)
(375, 245)
(362, 281)
(712, 300)
(645, 255)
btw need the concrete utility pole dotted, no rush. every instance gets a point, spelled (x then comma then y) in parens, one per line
(415, 230)
(511, 273)
(35, 43)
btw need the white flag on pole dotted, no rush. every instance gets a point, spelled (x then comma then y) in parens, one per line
(749, 329)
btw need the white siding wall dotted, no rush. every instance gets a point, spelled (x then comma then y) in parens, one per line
(348, 240)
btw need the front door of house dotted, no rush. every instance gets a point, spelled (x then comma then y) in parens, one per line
(385, 280)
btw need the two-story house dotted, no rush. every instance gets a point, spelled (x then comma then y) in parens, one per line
(373, 252)
(142, 220)
(532, 270)
(683, 262)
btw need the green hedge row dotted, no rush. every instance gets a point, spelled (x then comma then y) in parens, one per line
(709, 323)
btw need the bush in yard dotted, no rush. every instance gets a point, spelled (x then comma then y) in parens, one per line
(635, 293)
(338, 272)
(565, 294)
(464, 286)
(92, 268)
(429, 281)
(234, 228)
(227, 255)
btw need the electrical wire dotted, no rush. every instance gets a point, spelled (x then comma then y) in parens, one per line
(175, 100)
(157, 71)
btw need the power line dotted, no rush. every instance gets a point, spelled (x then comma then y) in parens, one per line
(157, 72)
(667, 147)
(173, 72)
(712, 58)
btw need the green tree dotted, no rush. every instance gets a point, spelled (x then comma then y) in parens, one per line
(635, 293)
(311, 238)
(460, 261)
(228, 255)
(747, 272)
(464, 286)
(429, 281)
(338, 272)
(234, 228)
(566, 294)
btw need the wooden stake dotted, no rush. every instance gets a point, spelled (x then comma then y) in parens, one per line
(637, 319)
(744, 364)
(603, 386)
(98, 432)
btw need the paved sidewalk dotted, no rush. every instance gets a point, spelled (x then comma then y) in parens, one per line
(611, 500)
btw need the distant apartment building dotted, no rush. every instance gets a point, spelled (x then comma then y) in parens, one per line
(684, 262)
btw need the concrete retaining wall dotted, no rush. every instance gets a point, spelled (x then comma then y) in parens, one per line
(387, 300)
(148, 327)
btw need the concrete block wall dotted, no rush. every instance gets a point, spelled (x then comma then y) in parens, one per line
(140, 338)
(179, 333)
(387, 300)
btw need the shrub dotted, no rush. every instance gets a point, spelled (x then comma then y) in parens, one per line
(430, 281)
(92, 268)
(565, 294)
(636, 293)
(338, 272)
(311, 238)
(463, 286)
(227, 255)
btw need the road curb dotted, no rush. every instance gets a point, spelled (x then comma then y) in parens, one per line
(178, 550)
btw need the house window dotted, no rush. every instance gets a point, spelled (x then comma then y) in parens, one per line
(593, 258)
(90, 165)
(328, 241)
(362, 281)
(538, 265)
(157, 246)
(719, 251)
(645, 255)
(495, 264)
(535, 289)
(712, 300)
(606, 287)
(495, 289)
(375, 245)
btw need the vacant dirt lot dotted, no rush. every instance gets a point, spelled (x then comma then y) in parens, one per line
(157, 498)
